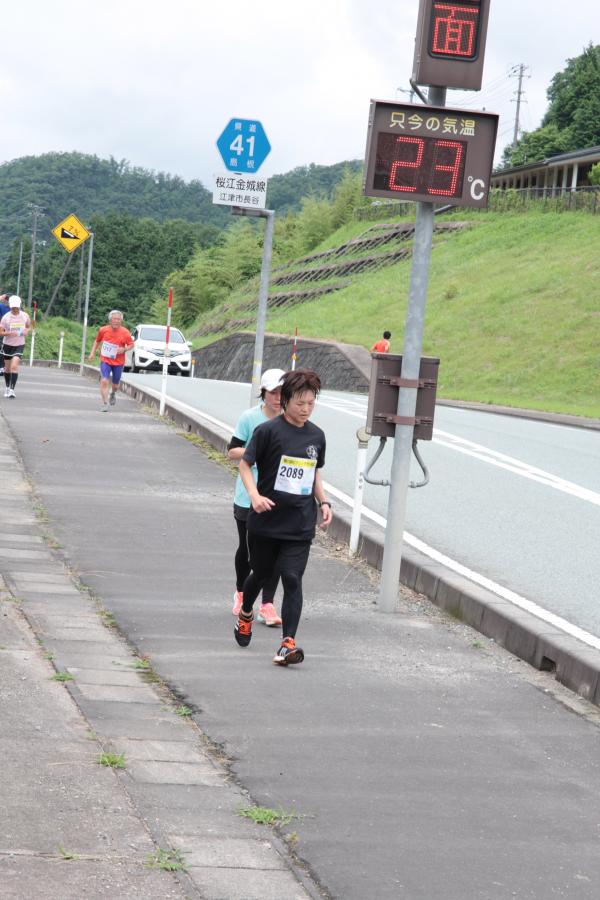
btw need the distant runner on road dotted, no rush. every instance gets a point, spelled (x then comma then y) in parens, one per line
(14, 328)
(4, 308)
(289, 452)
(383, 344)
(114, 340)
(270, 395)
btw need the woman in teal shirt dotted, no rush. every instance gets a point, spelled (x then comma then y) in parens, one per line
(270, 406)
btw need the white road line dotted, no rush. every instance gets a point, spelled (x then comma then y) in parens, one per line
(495, 458)
(506, 594)
(517, 466)
(498, 589)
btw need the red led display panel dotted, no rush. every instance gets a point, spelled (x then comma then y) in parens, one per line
(419, 165)
(454, 30)
(429, 154)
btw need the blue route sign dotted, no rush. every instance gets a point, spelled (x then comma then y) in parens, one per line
(243, 145)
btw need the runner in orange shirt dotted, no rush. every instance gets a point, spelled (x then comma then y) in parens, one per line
(114, 340)
(383, 345)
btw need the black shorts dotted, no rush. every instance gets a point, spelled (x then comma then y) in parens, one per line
(9, 352)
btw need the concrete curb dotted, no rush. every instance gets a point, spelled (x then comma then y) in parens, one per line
(542, 645)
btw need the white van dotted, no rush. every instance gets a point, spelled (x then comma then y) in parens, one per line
(149, 348)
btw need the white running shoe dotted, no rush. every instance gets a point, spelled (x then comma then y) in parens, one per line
(7, 392)
(11, 392)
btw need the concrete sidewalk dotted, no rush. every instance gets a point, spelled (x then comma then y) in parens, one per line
(418, 760)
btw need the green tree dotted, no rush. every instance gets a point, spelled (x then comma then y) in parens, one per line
(314, 223)
(594, 174)
(536, 145)
(347, 197)
(572, 120)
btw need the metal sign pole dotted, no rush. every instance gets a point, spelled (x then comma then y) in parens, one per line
(87, 301)
(407, 396)
(263, 295)
(166, 356)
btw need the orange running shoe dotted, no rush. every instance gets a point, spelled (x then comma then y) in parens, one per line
(288, 653)
(243, 629)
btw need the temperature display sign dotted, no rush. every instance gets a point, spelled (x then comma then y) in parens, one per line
(430, 154)
(450, 43)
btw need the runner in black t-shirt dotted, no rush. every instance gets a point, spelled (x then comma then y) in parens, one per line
(289, 452)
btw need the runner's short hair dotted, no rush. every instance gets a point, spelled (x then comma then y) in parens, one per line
(297, 382)
(387, 335)
(114, 312)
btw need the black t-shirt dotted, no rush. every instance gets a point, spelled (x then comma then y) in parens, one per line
(287, 458)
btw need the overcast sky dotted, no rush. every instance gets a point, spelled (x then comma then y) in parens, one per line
(156, 82)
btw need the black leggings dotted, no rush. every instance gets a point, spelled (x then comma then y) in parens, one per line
(242, 566)
(289, 558)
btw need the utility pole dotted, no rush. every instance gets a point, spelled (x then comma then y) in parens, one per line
(37, 212)
(19, 272)
(410, 92)
(520, 70)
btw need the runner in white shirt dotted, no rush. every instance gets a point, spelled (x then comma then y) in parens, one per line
(14, 328)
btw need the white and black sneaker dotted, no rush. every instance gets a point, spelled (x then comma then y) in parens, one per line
(113, 398)
(104, 407)
(7, 392)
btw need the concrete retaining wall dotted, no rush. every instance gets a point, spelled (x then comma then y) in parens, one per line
(342, 367)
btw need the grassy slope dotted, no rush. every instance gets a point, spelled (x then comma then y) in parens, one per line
(513, 311)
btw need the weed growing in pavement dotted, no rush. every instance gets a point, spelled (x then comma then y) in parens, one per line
(210, 452)
(183, 711)
(108, 618)
(50, 541)
(41, 513)
(148, 674)
(168, 860)
(112, 760)
(142, 663)
(66, 854)
(49, 656)
(478, 645)
(262, 815)
(91, 735)
(62, 676)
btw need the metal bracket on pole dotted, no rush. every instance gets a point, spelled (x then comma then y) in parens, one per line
(408, 420)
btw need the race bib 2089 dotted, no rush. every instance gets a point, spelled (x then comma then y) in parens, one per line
(295, 475)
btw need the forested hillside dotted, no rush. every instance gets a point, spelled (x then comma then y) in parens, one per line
(286, 192)
(62, 183)
(146, 225)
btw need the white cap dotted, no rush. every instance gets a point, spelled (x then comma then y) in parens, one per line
(14, 301)
(271, 379)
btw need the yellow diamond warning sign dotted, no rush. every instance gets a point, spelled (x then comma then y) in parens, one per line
(70, 233)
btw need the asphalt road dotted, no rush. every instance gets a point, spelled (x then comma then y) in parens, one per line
(421, 764)
(513, 500)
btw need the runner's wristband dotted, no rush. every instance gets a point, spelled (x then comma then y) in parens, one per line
(325, 503)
